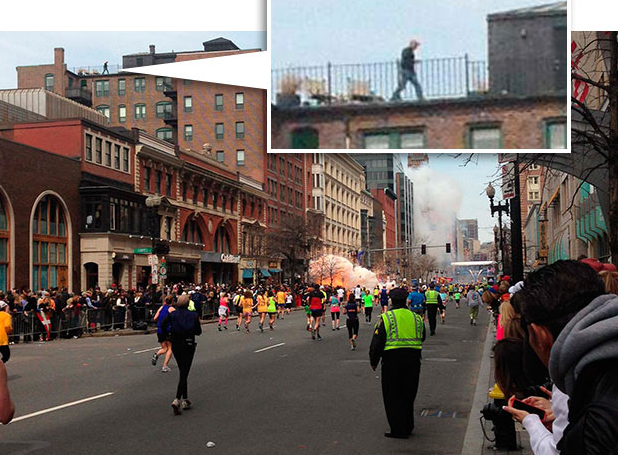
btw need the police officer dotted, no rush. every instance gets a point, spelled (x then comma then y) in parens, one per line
(397, 340)
(433, 300)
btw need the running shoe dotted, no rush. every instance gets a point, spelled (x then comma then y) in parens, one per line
(337, 328)
(313, 335)
(354, 345)
(226, 327)
(154, 358)
(176, 406)
(318, 337)
(219, 328)
(165, 369)
(271, 327)
(185, 404)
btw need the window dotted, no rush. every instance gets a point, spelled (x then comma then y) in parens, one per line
(534, 180)
(98, 146)
(192, 233)
(220, 155)
(484, 137)
(534, 167)
(116, 156)
(122, 86)
(184, 191)
(88, 147)
(125, 159)
(49, 245)
(195, 194)
(165, 134)
(139, 83)
(219, 130)
(140, 111)
(556, 134)
(219, 102)
(147, 179)
(108, 153)
(240, 130)
(395, 140)
(282, 165)
(240, 157)
(163, 110)
(214, 200)
(188, 132)
(240, 100)
(188, 104)
(163, 83)
(204, 197)
(49, 82)
(158, 182)
(104, 109)
(122, 113)
(102, 88)
(187, 82)
(168, 184)
(533, 195)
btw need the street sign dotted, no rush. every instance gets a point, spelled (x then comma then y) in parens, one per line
(143, 250)
(154, 276)
(153, 260)
(507, 187)
(163, 271)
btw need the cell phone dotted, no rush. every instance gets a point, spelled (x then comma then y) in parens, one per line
(521, 405)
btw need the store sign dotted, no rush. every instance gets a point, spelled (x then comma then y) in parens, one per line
(273, 265)
(230, 258)
(507, 187)
(143, 250)
(122, 256)
(154, 276)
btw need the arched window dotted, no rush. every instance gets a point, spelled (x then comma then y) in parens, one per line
(4, 246)
(192, 233)
(222, 241)
(104, 109)
(49, 245)
(165, 134)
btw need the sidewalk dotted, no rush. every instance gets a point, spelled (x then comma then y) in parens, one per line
(474, 441)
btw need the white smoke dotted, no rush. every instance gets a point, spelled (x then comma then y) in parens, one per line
(437, 200)
(339, 271)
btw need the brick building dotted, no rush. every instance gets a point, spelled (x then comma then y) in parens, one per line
(39, 218)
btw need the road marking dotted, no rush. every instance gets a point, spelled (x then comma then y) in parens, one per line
(146, 350)
(62, 406)
(270, 347)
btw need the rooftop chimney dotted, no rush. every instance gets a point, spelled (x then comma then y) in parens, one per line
(58, 56)
(152, 49)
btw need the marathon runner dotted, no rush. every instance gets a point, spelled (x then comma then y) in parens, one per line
(352, 320)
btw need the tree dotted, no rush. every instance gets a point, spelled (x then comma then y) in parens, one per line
(294, 240)
(328, 267)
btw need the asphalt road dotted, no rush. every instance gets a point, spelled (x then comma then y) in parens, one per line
(302, 396)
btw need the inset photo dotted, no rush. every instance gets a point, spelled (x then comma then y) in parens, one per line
(419, 75)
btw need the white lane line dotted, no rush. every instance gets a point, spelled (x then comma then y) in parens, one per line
(146, 350)
(62, 406)
(270, 347)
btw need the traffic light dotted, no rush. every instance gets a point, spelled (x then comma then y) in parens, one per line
(423, 249)
(448, 248)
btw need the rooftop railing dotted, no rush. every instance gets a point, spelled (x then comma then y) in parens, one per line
(95, 70)
(367, 82)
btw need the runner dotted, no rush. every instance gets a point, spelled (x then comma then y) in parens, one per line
(443, 305)
(262, 306)
(166, 345)
(457, 298)
(247, 302)
(357, 292)
(308, 312)
(335, 312)
(324, 302)
(281, 303)
(238, 297)
(384, 299)
(272, 310)
(352, 320)
(288, 302)
(223, 310)
(376, 295)
(340, 295)
(367, 304)
(316, 307)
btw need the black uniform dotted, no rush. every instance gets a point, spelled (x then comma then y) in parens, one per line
(399, 374)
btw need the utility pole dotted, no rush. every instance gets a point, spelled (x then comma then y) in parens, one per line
(516, 227)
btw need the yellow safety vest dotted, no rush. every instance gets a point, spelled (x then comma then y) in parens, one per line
(404, 329)
(431, 297)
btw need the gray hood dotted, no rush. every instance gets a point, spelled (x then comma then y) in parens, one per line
(590, 336)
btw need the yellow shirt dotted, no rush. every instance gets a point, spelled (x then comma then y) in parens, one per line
(281, 297)
(262, 304)
(247, 304)
(6, 327)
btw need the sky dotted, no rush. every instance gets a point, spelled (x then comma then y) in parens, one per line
(360, 31)
(94, 48)
(473, 179)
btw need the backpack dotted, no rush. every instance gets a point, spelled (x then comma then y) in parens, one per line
(474, 301)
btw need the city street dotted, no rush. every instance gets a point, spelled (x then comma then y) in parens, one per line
(271, 392)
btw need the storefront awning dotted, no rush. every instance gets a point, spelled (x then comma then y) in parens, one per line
(265, 273)
(275, 270)
(248, 274)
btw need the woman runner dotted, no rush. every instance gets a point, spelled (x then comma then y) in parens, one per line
(223, 310)
(262, 306)
(367, 304)
(183, 326)
(352, 320)
(335, 312)
(443, 294)
(166, 345)
(247, 302)
(238, 297)
(272, 310)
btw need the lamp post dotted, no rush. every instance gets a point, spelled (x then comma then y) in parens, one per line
(153, 203)
(498, 208)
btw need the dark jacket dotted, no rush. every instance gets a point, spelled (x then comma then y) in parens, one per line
(408, 59)
(182, 325)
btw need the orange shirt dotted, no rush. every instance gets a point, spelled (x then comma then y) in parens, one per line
(281, 297)
(247, 304)
(6, 327)
(262, 304)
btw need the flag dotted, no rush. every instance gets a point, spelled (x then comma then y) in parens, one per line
(46, 322)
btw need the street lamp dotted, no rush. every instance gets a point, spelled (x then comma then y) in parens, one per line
(498, 208)
(153, 203)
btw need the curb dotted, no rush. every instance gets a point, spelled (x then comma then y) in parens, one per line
(474, 438)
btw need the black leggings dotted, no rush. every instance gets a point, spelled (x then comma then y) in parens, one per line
(183, 354)
(353, 327)
(335, 315)
(6, 353)
(368, 313)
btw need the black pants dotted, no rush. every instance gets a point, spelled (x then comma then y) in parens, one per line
(368, 313)
(353, 327)
(432, 309)
(400, 380)
(183, 354)
(6, 353)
